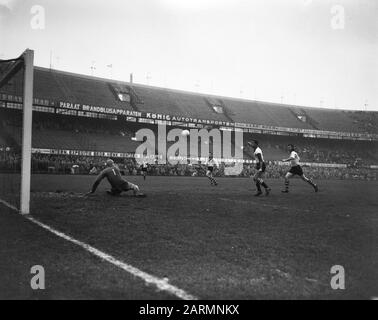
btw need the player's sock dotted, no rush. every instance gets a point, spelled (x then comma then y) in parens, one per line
(286, 190)
(213, 181)
(264, 184)
(258, 186)
(310, 182)
(259, 192)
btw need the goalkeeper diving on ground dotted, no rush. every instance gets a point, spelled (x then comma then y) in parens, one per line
(119, 185)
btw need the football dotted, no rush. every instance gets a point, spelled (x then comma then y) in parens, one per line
(185, 133)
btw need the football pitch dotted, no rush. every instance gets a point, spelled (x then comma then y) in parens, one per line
(210, 242)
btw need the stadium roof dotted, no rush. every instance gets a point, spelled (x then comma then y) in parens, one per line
(75, 88)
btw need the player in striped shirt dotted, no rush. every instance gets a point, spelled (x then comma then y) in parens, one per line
(295, 169)
(260, 167)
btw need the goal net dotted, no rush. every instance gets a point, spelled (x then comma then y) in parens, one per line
(16, 100)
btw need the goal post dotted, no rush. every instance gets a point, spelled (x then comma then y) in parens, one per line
(28, 58)
(16, 110)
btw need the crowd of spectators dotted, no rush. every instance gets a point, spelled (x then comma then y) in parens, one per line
(315, 154)
(357, 155)
(366, 121)
(10, 161)
(323, 150)
(68, 164)
(274, 146)
(105, 127)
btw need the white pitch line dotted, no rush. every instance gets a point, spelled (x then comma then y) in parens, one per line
(8, 205)
(161, 284)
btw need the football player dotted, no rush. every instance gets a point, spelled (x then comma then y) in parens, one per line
(260, 167)
(119, 185)
(211, 164)
(144, 168)
(295, 169)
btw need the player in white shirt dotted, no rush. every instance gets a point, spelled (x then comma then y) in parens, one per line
(295, 169)
(144, 168)
(211, 163)
(260, 167)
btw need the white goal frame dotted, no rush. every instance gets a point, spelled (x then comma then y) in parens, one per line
(28, 58)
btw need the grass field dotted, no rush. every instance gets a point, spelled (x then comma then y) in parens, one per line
(213, 242)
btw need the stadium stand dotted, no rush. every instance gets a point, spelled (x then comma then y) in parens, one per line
(365, 121)
(263, 113)
(111, 136)
(3, 143)
(319, 150)
(158, 101)
(71, 135)
(65, 131)
(176, 103)
(331, 120)
(62, 86)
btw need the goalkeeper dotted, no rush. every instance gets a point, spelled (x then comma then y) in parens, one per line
(113, 175)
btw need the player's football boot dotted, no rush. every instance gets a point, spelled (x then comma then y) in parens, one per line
(259, 193)
(285, 191)
(267, 191)
(316, 188)
(140, 195)
(114, 194)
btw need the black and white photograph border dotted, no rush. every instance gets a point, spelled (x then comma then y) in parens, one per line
(155, 150)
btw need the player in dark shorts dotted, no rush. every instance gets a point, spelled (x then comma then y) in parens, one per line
(144, 168)
(211, 163)
(119, 185)
(295, 169)
(260, 167)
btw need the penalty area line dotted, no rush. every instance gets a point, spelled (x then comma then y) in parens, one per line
(161, 284)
